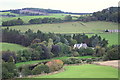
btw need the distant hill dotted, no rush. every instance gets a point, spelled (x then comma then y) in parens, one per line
(39, 11)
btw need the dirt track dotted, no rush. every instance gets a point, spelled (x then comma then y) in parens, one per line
(113, 63)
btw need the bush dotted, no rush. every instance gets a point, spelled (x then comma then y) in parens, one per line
(75, 54)
(54, 65)
(112, 54)
(9, 70)
(40, 69)
(7, 54)
(72, 61)
(86, 52)
(26, 71)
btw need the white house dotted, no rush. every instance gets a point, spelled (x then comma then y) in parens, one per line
(78, 46)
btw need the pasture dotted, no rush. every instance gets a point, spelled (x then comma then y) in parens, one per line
(90, 28)
(11, 47)
(69, 27)
(85, 71)
(111, 37)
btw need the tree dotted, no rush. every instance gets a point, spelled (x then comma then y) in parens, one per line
(9, 70)
(68, 18)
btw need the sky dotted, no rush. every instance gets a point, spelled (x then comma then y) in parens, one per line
(77, 6)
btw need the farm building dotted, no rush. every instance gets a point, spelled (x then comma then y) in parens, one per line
(78, 46)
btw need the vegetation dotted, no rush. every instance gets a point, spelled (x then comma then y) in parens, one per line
(9, 70)
(11, 47)
(54, 65)
(109, 14)
(13, 22)
(48, 51)
(40, 69)
(85, 71)
(70, 27)
(38, 61)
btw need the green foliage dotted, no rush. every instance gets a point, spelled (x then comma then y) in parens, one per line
(26, 71)
(72, 61)
(75, 54)
(13, 22)
(112, 53)
(39, 61)
(68, 18)
(40, 69)
(64, 49)
(100, 51)
(9, 70)
(87, 51)
(109, 14)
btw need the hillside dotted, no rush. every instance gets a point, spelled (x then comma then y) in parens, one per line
(70, 27)
(39, 11)
(11, 47)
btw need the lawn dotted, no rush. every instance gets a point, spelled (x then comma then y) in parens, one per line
(37, 61)
(11, 47)
(85, 71)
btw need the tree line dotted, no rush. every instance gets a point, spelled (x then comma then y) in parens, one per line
(36, 21)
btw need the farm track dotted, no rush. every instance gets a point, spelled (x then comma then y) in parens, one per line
(113, 63)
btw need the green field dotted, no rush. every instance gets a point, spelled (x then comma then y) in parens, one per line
(96, 27)
(37, 61)
(11, 47)
(85, 71)
(111, 37)
(27, 18)
(70, 27)
(6, 13)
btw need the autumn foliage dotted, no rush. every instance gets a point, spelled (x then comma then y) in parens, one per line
(54, 65)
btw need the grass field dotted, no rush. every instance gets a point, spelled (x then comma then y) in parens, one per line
(70, 27)
(37, 61)
(85, 71)
(27, 18)
(111, 37)
(11, 47)
(96, 27)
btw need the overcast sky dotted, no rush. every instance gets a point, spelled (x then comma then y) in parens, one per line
(64, 5)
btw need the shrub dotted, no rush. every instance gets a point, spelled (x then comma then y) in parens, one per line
(8, 70)
(75, 54)
(112, 54)
(7, 54)
(85, 52)
(40, 69)
(26, 71)
(54, 65)
(72, 61)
